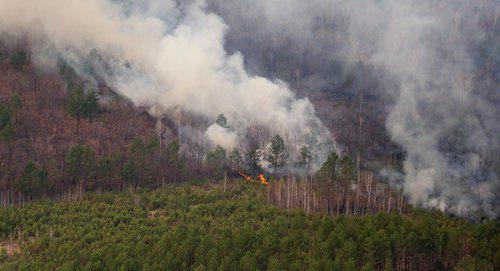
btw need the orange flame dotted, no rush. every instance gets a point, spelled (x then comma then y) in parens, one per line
(248, 178)
(263, 179)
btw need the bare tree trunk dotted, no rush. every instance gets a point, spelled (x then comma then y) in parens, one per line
(225, 181)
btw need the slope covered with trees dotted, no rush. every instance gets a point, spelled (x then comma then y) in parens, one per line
(203, 228)
(59, 137)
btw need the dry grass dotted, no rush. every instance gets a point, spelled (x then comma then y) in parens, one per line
(11, 247)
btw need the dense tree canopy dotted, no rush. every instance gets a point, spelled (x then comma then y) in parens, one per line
(277, 153)
(83, 104)
(201, 228)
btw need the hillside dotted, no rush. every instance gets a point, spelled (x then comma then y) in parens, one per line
(71, 153)
(249, 135)
(200, 227)
(57, 146)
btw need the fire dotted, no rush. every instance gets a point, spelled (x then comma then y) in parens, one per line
(263, 179)
(248, 178)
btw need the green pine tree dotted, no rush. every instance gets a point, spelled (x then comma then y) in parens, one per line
(235, 160)
(217, 162)
(80, 162)
(278, 154)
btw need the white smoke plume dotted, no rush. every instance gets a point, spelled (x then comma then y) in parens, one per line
(440, 63)
(165, 54)
(222, 136)
(438, 60)
(444, 117)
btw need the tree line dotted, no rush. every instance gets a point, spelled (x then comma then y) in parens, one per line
(142, 161)
(203, 228)
(61, 139)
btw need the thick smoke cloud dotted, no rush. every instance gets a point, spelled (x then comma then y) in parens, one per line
(443, 58)
(164, 54)
(445, 117)
(437, 60)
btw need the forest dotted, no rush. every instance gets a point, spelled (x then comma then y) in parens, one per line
(65, 141)
(249, 135)
(76, 194)
(208, 226)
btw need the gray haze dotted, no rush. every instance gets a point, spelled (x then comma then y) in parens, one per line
(163, 54)
(437, 60)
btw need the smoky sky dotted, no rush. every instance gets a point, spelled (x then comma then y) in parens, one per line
(438, 61)
(443, 56)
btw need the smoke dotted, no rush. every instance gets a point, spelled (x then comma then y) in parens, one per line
(444, 117)
(224, 137)
(438, 60)
(166, 54)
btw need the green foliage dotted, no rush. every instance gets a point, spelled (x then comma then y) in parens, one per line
(173, 151)
(91, 108)
(217, 162)
(106, 167)
(173, 157)
(7, 131)
(136, 170)
(80, 162)
(329, 171)
(5, 115)
(76, 103)
(277, 154)
(83, 104)
(222, 121)
(130, 173)
(138, 149)
(347, 168)
(236, 160)
(252, 161)
(67, 72)
(19, 58)
(3, 255)
(198, 228)
(15, 101)
(33, 181)
(305, 158)
(337, 170)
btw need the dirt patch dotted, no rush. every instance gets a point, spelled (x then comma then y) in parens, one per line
(156, 213)
(10, 247)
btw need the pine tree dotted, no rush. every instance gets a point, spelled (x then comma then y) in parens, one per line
(278, 155)
(19, 59)
(33, 181)
(6, 128)
(15, 101)
(305, 158)
(76, 103)
(217, 162)
(80, 162)
(235, 159)
(7, 132)
(329, 170)
(91, 108)
(5, 116)
(222, 121)
(252, 161)
(83, 105)
(130, 174)
(347, 169)
(137, 161)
